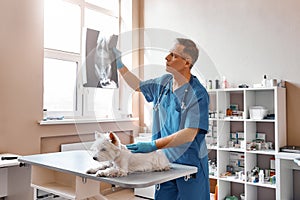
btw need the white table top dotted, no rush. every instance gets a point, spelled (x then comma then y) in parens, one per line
(78, 162)
(8, 163)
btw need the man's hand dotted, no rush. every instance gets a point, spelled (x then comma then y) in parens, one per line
(118, 55)
(142, 147)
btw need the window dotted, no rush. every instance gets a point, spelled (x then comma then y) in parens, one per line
(64, 23)
(59, 85)
(62, 27)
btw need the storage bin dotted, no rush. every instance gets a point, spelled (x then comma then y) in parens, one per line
(258, 112)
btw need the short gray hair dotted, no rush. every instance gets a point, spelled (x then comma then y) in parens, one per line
(190, 48)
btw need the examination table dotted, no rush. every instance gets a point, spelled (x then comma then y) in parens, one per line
(64, 174)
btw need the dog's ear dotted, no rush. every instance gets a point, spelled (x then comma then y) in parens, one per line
(114, 139)
(98, 135)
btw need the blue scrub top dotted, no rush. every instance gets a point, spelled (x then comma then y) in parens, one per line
(169, 116)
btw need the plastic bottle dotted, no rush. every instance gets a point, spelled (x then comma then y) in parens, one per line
(214, 169)
(264, 81)
(210, 84)
(44, 114)
(217, 84)
(224, 82)
(261, 176)
(272, 163)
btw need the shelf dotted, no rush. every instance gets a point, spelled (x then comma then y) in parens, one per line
(212, 147)
(232, 179)
(262, 120)
(213, 177)
(213, 119)
(55, 188)
(241, 159)
(267, 185)
(266, 152)
(241, 89)
(63, 184)
(235, 180)
(232, 149)
(232, 120)
(244, 120)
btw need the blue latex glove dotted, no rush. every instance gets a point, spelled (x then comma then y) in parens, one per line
(142, 147)
(118, 55)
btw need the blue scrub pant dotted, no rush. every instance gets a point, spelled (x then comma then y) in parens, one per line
(193, 189)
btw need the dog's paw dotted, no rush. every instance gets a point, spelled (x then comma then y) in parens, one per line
(105, 173)
(111, 172)
(122, 173)
(118, 174)
(101, 173)
(105, 165)
(167, 168)
(92, 171)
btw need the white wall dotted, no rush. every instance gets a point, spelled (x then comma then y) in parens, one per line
(245, 39)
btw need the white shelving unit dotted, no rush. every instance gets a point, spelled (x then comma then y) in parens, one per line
(67, 186)
(274, 130)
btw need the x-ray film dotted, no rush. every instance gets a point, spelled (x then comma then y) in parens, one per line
(100, 66)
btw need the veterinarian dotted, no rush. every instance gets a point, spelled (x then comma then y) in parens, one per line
(180, 120)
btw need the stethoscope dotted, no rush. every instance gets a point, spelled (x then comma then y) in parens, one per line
(162, 91)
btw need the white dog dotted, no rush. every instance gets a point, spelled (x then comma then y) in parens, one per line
(116, 160)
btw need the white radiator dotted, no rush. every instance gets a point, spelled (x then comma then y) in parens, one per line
(76, 146)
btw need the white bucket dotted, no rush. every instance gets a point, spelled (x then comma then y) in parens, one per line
(242, 196)
(258, 112)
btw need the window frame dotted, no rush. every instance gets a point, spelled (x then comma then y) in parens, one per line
(72, 57)
(80, 106)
